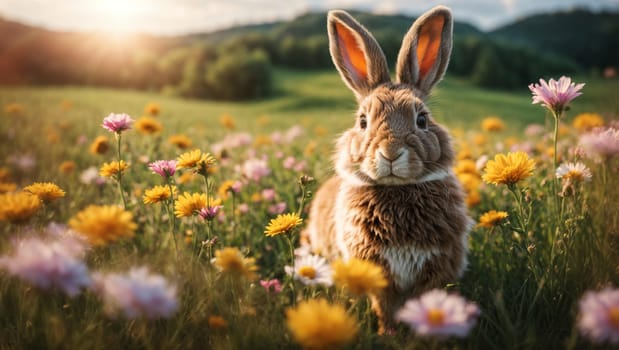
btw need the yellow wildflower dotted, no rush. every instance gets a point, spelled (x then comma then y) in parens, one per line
(148, 125)
(473, 198)
(492, 218)
(7, 187)
(227, 121)
(282, 224)
(46, 191)
(18, 207)
(230, 260)
(181, 141)
(359, 276)
(188, 204)
(186, 178)
(508, 169)
(158, 194)
(315, 324)
(103, 224)
(5, 174)
(113, 168)
(466, 166)
(67, 167)
(100, 145)
(14, 109)
(587, 121)
(152, 108)
(195, 159)
(492, 124)
(224, 189)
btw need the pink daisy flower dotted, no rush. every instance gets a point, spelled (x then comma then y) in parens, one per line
(599, 316)
(555, 95)
(437, 313)
(601, 143)
(136, 294)
(49, 263)
(255, 169)
(163, 168)
(117, 122)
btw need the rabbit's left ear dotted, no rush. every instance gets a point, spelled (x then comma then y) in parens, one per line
(425, 51)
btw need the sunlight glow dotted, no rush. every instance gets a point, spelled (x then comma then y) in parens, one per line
(120, 16)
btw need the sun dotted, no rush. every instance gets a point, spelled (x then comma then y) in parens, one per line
(119, 16)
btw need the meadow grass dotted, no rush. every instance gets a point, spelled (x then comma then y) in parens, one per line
(526, 274)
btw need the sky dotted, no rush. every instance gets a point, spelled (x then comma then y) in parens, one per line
(173, 17)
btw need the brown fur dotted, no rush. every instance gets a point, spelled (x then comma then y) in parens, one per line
(394, 199)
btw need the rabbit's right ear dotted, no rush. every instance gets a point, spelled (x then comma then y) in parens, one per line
(356, 54)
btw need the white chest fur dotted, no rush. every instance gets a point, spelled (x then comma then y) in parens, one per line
(405, 263)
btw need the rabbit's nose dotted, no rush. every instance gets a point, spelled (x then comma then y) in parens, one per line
(391, 157)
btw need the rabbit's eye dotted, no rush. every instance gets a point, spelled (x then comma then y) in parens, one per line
(422, 121)
(363, 123)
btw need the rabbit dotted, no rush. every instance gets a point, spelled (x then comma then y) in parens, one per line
(394, 199)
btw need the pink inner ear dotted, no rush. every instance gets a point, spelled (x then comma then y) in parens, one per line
(351, 52)
(428, 44)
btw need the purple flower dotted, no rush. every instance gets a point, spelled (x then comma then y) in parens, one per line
(209, 213)
(599, 316)
(273, 285)
(268, 194)
(117, 122)
(255, 169)
(601, 143)
(555, 95)
(49, 263)
(163, 168)
(136, 294)
(437, 313)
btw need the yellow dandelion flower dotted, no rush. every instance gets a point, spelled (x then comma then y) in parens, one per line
(310, 149)
(480, 140)
(14, 109)
(67, 167)
(148, 125)
(316, 324)
(195, 159)
(464, 153)
(158, 194)
(473, 198)
(100, 145)
(227, 122)
(466, 166)
(7, 187)
(5, 174)
(103, 224)
(282, 224)
(359, 276)
(18, 207)
(587, 121)
(224, 189)
(181, 141)
(255, 197)
(188, 204)
(263, 140)
(492, 218)
(152, 108)
(53, 137)
(46, 191)
(492, 124)
(113, 168)
(470, 182)
(508, 169)
(231, 260)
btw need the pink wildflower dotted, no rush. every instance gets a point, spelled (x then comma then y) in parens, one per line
(440, 314)
(117, 122)
(209, 213)
(534, 130)
(243, 208)
(268, 194)
(49, 263)
(163, 168)
(136, 294)
(289, 162)
(555, 95)
(273, 285)
(255, 169)
(599, 316)
(601, 143)
(277, 208)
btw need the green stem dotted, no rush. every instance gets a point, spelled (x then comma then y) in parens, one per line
(292, 286)
(120, 173)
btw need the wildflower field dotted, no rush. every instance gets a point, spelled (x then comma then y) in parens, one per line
(135, 220)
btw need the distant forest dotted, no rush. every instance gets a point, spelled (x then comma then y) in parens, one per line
(236, 63)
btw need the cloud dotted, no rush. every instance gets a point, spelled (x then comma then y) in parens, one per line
(186, 16)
